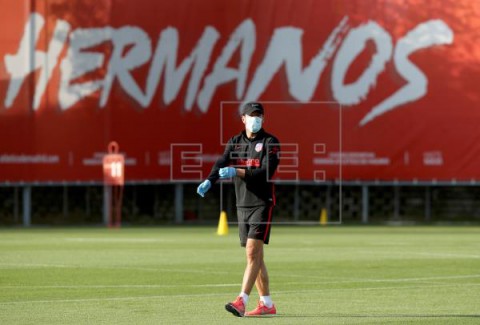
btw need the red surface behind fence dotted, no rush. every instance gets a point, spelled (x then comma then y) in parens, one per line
(390, 87)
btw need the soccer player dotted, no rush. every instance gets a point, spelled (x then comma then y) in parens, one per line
(254, 153)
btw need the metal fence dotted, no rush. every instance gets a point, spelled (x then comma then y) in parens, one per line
(150, 204)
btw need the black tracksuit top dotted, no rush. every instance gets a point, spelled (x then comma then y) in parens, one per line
(259, 157)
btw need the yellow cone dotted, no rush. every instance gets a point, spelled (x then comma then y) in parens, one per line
(222, 224)
(323, 217)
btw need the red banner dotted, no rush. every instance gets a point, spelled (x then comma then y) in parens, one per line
(386, 89)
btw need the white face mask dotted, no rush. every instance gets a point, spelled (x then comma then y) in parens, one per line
(253, 123)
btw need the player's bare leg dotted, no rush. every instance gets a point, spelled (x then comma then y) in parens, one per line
(262, 282)
(254, 253)
(256, 272)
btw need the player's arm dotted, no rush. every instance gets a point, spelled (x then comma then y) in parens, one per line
(269, 164)
(223, 161)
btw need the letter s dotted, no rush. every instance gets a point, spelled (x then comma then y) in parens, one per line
(430, 33)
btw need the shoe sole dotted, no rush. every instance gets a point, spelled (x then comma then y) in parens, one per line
(233, 310)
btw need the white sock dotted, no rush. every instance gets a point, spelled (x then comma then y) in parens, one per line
(244, 297)
(267, 301)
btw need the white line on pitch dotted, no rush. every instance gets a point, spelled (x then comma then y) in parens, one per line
(223, 294)
(230, 284)
(346, 280)
(448, 255)
(32, 265)
(379, 288)
(120, 286)
(153, 269)
(384, 280)
(117, 240)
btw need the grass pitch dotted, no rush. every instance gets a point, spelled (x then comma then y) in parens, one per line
(331, 275)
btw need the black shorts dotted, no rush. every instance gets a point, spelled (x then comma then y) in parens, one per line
(255, 223)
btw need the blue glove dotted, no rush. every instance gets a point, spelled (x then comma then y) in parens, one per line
(203, 188)
(227, 172)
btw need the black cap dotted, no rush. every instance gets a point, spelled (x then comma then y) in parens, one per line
(251, 107)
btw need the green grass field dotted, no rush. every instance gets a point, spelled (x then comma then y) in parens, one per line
(331, 275)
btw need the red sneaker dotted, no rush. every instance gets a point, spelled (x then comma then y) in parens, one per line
(262, 310)
(237, 307)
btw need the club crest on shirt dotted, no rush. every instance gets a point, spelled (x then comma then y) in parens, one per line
(258, 147)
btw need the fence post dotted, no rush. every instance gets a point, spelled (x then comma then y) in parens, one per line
(178, 203)
(27, 205)
(396, 202)
(428, 204)
(328, 202)
(107, 192)
(87, 201)
(365, 207)
(16, 208)
(65, 201)
(296, 203)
